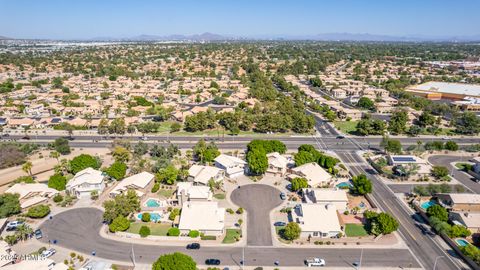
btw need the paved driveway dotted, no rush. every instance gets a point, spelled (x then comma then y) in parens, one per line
(258, 200)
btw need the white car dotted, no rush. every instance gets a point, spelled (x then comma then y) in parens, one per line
(315, 262)
(49, 252)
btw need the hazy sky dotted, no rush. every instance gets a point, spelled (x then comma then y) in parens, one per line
(122, 18)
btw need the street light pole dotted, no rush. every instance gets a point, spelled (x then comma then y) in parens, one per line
(436, 260)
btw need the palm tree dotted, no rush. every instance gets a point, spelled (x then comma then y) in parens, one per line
(55, 155)
(24, 231)
(27, 167)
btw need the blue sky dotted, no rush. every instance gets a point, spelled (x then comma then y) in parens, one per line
(122, 18)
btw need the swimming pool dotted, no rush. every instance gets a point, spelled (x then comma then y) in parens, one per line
(427, 204)
(462, 242)
(344, 185)
(155, 217)
(152, 203)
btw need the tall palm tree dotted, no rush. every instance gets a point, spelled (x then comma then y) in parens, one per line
(27, 167)
(55, 155)
(24, 231)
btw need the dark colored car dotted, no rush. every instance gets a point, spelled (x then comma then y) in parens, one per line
(193, 246)
(340, 137)
(212, 262)
(38, 234)
(279, 224)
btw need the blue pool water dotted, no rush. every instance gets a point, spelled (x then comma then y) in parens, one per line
(426, 205)
(153, 216)
(152, 203)
(344, 185)
(462, 242)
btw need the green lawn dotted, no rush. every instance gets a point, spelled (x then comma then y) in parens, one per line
(346, 127)
(219, 196)
(166, 193)
(159, 229)
(230, 236)
(463, 166)
(355, 230)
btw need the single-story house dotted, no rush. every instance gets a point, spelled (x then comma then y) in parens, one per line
(461, 202)
(278, 164)
(317, 220)
(313, 172)
(233, 166)
(37, 264)
(32, 194)
(202, 174)
(187, 191)
(205, 217)
(138, 182)
(471, 220)
(86, 181)
(335, 196)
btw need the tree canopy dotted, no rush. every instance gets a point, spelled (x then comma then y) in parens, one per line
(84, 161)
(174, 261)
(361, 185)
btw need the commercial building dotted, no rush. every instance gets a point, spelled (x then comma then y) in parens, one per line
(445, 90)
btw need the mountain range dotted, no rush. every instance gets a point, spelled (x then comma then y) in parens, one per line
(320, 37)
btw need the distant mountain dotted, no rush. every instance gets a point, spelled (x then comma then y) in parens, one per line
(4, 38)
(201, 37)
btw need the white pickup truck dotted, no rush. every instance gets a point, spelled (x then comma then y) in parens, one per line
(314, 262)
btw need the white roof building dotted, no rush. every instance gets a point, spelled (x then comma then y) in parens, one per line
(203, 174)
(233, 166)
(277, 163)
(31, 194)
(203, 216)
(317, 220)
(313, 172)
(6, 254)
(36, 264)
(186, 191)
(136, 182)
(467, 219)
(337, 197)
(86, 181)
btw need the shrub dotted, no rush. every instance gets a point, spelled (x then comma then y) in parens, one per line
(57, 181)
(193, 234)
(291, 231)
(173, 232)
(208, 237)
(117, 170)
(155, 187)
(144, 231)
(146, 217)
(38, 211)
(173, 214)
(230, 211)
(119, 224)
(240, 211)
(299, 183)
(58, 198)
(438, 212)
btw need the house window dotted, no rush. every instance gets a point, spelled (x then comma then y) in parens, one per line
(315, 233)
(324, 234)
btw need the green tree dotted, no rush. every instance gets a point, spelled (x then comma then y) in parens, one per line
(38, 211)
(299, 183)
(174, 231)
(472, 252)
(438, 211)
(174, 261)
(205, 153)
(398, 122)
(119, 224)
(144, 231)
(168, 175)
(292, 231)
(257, 162)
(173, 214)
(439, 172)
(117, 126)
(27, 167)
(117, 170)
(393, 146)
(9, 205)
(61, 146)
(122, 205)
(468, 123)
(84, 161)
(361, 185)
(426, 119)
(121, 154)
(451, 145)
(366, 103)
(175, 127)
(193, 233)
(384, 224)
(140, 149)
(146, 217)
(103, 126)
(57, 181)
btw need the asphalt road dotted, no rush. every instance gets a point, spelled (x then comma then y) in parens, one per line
(464, 178)
(258, 200)
(78, 229)
(423, 246)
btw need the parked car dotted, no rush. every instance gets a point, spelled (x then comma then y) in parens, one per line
(340, 137)
(49, 252)
(212, 262)
(38, 234)
(314, 262)
(279, 224)
(13, 225)
(283, 196)
(193, 246)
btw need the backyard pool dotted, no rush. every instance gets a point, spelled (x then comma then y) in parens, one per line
(344, 185)
(152, 203)
(462, 242)
(427, 204)
(155, 217)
